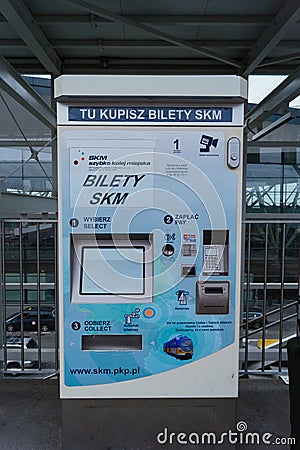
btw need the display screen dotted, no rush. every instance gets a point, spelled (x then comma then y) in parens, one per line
(211, 251)
(112, 270)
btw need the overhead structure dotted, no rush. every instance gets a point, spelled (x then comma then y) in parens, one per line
(84, 36)
(21, 20)
(286, 18)
(93, 6)
(13, 84)
(278, 99)
(130, 37)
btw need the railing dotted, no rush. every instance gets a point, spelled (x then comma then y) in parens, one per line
(271, 270)
(28, 255)
(29, 308)
(270, 356)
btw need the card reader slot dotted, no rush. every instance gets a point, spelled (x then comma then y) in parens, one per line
(209, 306)
(213, 290)
(111, 342)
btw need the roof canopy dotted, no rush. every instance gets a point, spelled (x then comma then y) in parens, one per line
(131, 36)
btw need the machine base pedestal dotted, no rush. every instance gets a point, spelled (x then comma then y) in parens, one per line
(146, 424)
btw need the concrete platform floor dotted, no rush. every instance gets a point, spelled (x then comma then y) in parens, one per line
(30, 413)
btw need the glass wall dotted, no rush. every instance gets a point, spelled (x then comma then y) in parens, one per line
(273, 183)
(272, 229)
(21, 175)
(272, 255)
(25, 146)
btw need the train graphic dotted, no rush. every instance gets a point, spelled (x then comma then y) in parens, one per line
(181, 347)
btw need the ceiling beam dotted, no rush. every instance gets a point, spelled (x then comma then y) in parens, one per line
(274, 125)
(92, 65)
(132, 43)
(19, 17)
(279, 97)
(140, 43)
(93, 7)
(180, 19)
(280, 59)
(13, 84)
(288, 15)
(156, 19)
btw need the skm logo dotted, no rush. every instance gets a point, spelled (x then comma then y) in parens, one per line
(98, 158)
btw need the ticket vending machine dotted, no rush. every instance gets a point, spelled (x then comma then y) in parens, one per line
(150, 199)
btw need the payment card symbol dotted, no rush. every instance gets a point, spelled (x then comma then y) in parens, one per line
(189, 237)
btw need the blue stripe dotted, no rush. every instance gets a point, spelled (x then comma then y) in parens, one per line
(153, 114)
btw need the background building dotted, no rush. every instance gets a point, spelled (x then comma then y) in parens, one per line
(158, 38)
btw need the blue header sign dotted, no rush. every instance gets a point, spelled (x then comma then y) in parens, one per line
(153, 114)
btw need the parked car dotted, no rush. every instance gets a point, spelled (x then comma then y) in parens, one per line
(15, 342)
(30, 320)
(42, 308)
(255, 319)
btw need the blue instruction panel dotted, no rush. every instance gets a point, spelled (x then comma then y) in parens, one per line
(149, 255)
